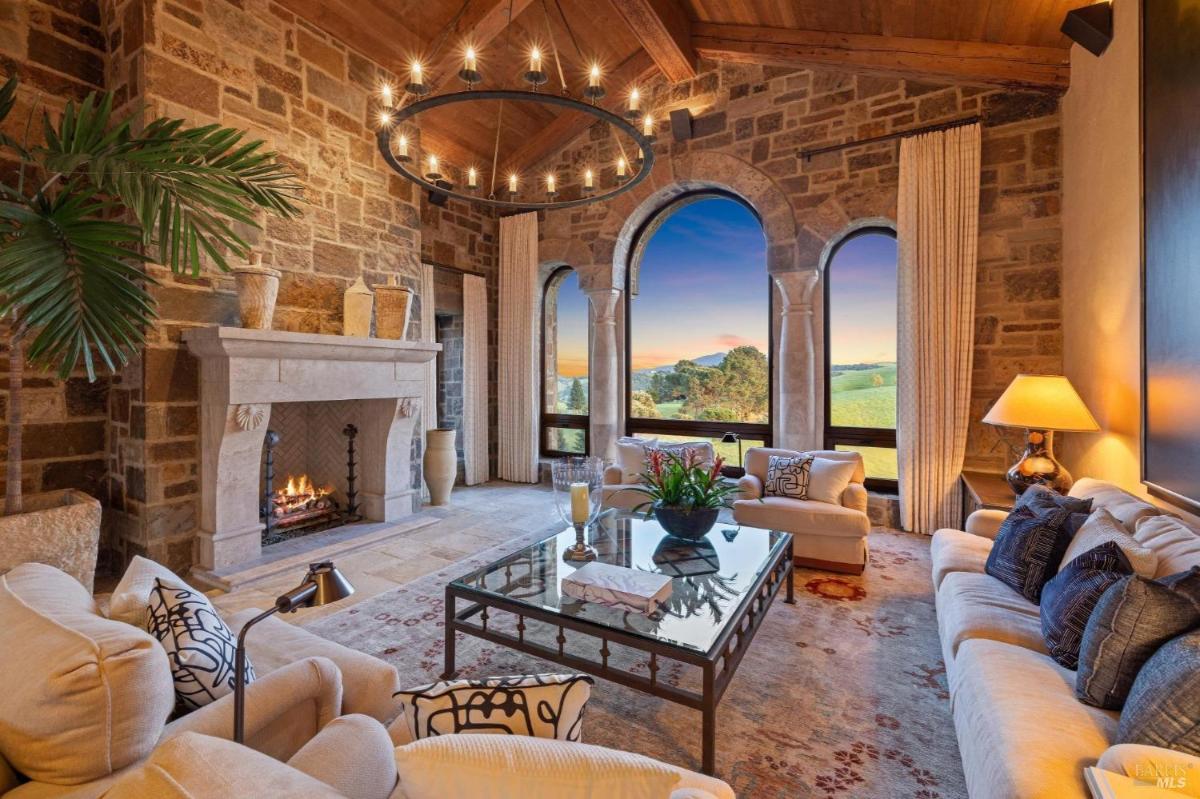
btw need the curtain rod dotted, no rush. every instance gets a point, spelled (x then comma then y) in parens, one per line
(899, 134)
(452, 268)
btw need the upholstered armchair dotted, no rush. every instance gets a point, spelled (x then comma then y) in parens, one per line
(826, 536)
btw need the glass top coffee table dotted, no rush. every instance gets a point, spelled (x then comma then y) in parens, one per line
(721, 588)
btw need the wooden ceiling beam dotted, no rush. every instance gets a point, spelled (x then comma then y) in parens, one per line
(568, 125)
(479, 26)
(930, 59)
(665, 31)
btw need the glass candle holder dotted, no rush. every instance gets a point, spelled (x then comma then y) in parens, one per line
(577, 482)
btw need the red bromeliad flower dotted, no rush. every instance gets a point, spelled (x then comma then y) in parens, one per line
(716, 468)
(656, 462)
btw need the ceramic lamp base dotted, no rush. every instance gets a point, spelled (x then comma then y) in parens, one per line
(1038, 466)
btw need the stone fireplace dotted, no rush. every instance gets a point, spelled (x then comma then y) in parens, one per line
(314, 385)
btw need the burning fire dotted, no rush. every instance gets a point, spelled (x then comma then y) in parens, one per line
(300, 494)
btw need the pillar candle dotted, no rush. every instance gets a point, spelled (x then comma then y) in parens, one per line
(580, 503)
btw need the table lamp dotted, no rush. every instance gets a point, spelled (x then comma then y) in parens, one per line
(321, 585)
(1043, 405)
(733, 471)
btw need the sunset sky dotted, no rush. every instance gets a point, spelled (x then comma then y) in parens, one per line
(702, 286)
(703, 289)
(862, 302)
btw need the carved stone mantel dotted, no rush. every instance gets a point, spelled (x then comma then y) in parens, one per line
(243, 372)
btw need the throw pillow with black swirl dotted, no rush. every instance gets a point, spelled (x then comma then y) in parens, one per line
(537, 705)
(199, 644)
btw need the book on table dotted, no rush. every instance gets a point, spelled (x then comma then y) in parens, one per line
(618, 586)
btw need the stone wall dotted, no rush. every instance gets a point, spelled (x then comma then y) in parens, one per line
(760, 116)
(255, 66)
(57, 49)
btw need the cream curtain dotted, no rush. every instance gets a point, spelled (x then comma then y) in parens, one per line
(518, 371)
(429, 415)
(938, 231)
(475, 380)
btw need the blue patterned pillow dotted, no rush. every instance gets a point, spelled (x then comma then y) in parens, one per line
(1028, 549)
(1131, 621)
(1042, 500)
(1163, 708)
(1069, 599)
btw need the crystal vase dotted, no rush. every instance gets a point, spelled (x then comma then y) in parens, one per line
(577, 482)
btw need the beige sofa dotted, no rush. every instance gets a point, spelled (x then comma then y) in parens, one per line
(826, 536)
(88, 702)
(1021, 731)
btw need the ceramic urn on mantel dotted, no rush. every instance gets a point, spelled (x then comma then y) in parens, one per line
(257, 289)
(393, 305)
(357, 304)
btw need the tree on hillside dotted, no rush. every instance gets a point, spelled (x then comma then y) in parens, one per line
(738, 387)
(643, 405)
(877, 380)
(577, 399)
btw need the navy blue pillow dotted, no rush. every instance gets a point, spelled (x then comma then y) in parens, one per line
(1041, 500)
(1163, 708)
(1131, 621)
(1028, 549)
(1069, 599)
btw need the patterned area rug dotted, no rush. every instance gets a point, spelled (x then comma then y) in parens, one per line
(841, 695)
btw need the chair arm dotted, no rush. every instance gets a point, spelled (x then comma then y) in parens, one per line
(750, 486)
(1174, 771)
(284, 709)
(368, 683)
(353, 755)
(855, 497)
(8, 777)
(613, 475)
(986, 522)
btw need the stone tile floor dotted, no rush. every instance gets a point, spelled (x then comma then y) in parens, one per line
(476, 518)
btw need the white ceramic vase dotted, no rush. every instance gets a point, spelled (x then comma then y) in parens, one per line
(357, 304)
(441, 464)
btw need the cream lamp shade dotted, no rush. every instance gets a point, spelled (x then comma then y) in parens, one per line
(1042, 402)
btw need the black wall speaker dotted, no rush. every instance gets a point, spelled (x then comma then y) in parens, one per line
(1091, 27)
(681, 124)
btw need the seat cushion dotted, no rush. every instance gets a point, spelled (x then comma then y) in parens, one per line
(1176, 544)
(193, 766)
(1021, 731)
(84, 696)
(621, 496)
(1127, 508)
(972, 605)
(956, 551)
(801, 517)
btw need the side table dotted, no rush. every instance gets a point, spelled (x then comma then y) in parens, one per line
(985, 490)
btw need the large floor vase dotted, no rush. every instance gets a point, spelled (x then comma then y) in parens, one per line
(689, 523)
(441, 464)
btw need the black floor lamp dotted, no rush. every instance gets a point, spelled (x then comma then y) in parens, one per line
(321, 585)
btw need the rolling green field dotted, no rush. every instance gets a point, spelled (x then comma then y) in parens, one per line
(866, 398)
(669, 410)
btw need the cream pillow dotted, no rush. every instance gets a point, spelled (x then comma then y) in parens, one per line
(1102, 527)
(827, 479)
(130, 601)
(84, 696)
(515, 767)
(631, 457)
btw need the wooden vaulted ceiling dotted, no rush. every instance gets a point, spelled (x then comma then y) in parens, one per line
(989, 42)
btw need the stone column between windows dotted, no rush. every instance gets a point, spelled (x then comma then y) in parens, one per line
(796, 364)
(603, 374)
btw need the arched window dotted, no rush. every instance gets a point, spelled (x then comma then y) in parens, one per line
(860, 350)
(698, 327)
(565, 325)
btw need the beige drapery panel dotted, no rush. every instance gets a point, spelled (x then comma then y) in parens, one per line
(937, 231)
(518, 371)
(429, 415)
(475, 380)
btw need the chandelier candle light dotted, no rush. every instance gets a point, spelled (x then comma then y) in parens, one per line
(404, 113)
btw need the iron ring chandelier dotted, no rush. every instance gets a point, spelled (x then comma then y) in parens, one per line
(402, 163)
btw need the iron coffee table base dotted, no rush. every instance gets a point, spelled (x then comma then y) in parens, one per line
(717, 665)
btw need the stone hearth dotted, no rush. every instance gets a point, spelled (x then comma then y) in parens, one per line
(244, 372)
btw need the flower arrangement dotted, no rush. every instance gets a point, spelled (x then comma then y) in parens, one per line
(682, 494)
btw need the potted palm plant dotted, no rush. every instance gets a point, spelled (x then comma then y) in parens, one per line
(84, 209)
(685, 497)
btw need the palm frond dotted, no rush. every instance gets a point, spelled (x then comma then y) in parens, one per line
(71, 273)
